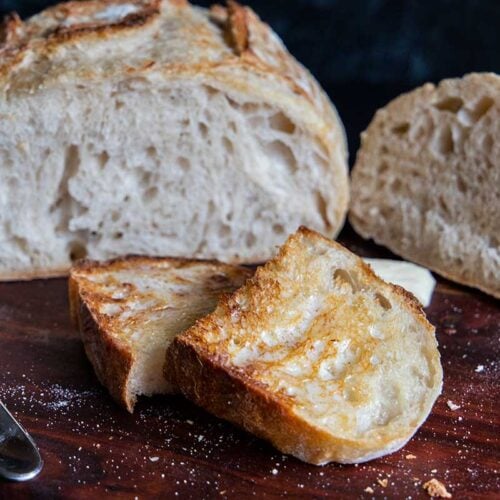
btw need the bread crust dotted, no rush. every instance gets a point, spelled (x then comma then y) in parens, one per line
(208, 378)
(113, 358)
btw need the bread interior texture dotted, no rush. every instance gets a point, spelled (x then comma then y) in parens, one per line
(183, 169)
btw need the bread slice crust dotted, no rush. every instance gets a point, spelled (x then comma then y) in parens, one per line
(207, 373)
(106, 340)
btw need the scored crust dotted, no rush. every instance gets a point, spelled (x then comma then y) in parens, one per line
(207, 373)
(78, 44)
(111, 353)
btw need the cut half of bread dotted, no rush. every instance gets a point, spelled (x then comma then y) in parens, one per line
(129, 310)
(315, 354)
(154, 127)
(426, 182)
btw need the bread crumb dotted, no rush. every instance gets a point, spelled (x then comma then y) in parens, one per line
(274, 471)
(382, 482)
(154, 459)
(452, 406)
(436, 488)
(479, 368)
(368, 489)
(410, 456)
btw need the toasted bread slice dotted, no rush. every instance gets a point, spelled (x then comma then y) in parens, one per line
(316, 354)
(129, 310)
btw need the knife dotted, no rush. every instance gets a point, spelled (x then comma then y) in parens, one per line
(20, 459)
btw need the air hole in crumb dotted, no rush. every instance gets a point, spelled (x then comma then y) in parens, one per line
(343, 278)
(224, 231)
(228, 145)
(151, 193)
(77, 251)
(282, 123)
(383, 168)
(444, 205)
(461, 185)
(322, 208)
(283, 154)
(384, 149)
(151, 152)
(482, 107)
(184, 163)
(383, 301)
(146, 178)
(118, 235)
(278, 228)
(250, 240)
(119, 104)
(444, 141)
(487, 144)
(396, 185)
(451, 104)
(203, 129)
(401, 128)
(103, 158)
(115, 216)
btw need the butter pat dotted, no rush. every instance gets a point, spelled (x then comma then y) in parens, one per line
(416, 279)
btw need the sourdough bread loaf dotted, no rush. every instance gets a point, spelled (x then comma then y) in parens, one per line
(159, 128)
(426, 182)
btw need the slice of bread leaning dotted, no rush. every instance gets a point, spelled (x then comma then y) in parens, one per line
(315, 354)
(129, 310)
(154, 127)
(426, 182)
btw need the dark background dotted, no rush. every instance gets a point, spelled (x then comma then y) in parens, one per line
(365, 52)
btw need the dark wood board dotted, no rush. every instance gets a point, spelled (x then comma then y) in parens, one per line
(171, 449)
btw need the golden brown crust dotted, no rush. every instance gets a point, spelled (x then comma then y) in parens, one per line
(111, 361)
(113, 357)
(205, 373)
(234, 396)
(238, 26)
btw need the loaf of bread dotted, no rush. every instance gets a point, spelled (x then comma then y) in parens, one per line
(154, 127)
(316, 354)
(129, 310)
(426, 182)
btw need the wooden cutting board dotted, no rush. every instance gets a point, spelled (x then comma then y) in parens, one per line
(169, 448)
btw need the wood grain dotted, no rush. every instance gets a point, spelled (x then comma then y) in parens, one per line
(169, 448)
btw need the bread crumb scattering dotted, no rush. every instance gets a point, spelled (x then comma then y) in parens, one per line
(369, 489)
(382, 482)
(410, 456)
(452, 406)
(436, 488)
(479, 368)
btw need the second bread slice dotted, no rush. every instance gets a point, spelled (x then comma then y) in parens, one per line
(129, 310)
(315, 354)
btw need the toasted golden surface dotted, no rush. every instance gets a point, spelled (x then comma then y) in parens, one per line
(139, 304)
(336, 347)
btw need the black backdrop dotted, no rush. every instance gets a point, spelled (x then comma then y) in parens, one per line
(364, 52)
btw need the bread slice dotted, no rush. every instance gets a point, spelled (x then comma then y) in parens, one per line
(129, 310)
(426, 182)
(157, 128)
(315, 354)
